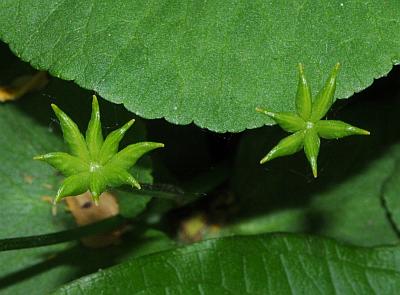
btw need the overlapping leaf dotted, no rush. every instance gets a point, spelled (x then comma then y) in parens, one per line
(209, 62)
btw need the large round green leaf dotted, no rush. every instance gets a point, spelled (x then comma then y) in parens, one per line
(276, 264)
(211, 62)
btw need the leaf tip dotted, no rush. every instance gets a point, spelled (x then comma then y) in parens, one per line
(266, 112)
(359, 131)
(315, 172)
(314, 168)
(58, 197)
(301, 67)
(95, 197)
(259, 110)
(155, 145)
(266, 158)
(55, 108)
(335, 69)
(95, 104)
(365, 132)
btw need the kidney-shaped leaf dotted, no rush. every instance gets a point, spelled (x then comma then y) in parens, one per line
(211, 62)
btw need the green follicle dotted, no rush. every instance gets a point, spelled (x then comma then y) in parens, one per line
(288, 121)
(306, 123)
(94, 164)
(287, 146)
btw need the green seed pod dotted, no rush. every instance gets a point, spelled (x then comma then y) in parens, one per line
(72, 135)
(94, 135)
(330, 129)
(94, 164)
(311, 148)
(325, 97)
(307, 123)
(303, 96)
(111, 144)
(288, 121)
(119, 177)
(98, 183)
(287, 146)
(65, 163)
(126, 158)
(73, 185)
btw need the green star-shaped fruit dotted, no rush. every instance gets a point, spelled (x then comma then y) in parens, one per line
(94, 164)
(306, 123)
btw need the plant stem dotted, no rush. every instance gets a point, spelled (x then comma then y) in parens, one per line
(62, 236)
(163, 191)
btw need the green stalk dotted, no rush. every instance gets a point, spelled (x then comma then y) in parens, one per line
(62, 236)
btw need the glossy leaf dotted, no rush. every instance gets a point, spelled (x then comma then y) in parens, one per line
(207, 62)
(265, 264)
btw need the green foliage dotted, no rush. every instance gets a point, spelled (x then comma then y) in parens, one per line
(265, 264)
(27, 129)
(345, 201)
(207, 62)
(390, 193)
(307, 122)
(211, 63)
(94, 164)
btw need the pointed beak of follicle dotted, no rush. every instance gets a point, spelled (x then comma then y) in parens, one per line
(264, 111)
(259, 110)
